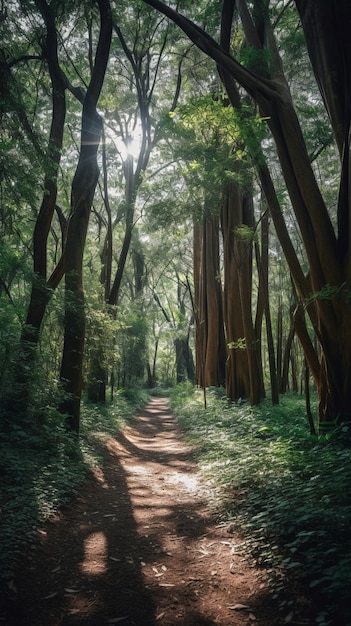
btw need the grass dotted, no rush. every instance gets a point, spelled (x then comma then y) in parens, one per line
(287, 491)
(42, 466)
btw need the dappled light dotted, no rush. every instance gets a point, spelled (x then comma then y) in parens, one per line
(140, 546)
(190, 483)
(95, 554)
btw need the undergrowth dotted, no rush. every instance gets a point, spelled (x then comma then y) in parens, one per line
(287, 491)
(42, 466)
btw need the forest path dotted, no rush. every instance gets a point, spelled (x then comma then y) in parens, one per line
(139, 545)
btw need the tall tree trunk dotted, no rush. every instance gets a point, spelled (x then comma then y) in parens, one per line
(243, 368)
(42, 288)
(199, 328)
(326, 28)
(210, 341)
(83, 189)
(107, 251)
(263, 269)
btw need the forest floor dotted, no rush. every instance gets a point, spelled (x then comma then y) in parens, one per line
(140, 545)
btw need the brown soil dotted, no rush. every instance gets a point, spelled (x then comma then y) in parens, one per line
(139, 546)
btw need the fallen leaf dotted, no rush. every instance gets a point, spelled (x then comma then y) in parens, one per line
(50, 595)
(252, 617)
(160, 616)
(72, 590)
(115, 620)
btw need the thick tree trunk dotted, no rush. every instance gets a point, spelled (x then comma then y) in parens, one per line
(83, 189)
(243, 368)
(326, 27)
(210, 342)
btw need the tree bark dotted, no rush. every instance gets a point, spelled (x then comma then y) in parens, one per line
(210, 341)
(41, 289)
(83, 189)
(263, 268)
(285, 353)
(243, 368)
(326, 28)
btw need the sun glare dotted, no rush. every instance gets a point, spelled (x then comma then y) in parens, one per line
(133, 146)
(128, 145)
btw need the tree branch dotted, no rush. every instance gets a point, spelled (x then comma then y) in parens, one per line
(253, 83)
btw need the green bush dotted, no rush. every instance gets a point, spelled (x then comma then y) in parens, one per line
(41, 466)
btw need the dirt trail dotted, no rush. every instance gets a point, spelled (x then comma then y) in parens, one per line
(139, 546)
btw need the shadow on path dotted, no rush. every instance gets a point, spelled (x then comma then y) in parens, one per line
(85, 568)
(137, 547)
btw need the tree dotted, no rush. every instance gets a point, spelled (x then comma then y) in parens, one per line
(244, 370)
(324, 290)
(222, 182)
(42, 287)
(264, 307)
(210, 340)
(83, 189)
(328, 44)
